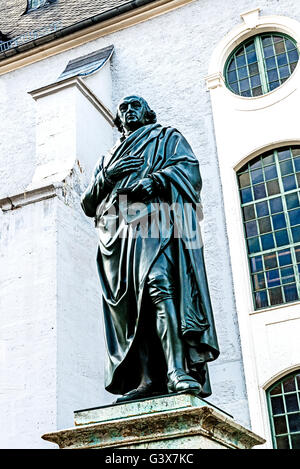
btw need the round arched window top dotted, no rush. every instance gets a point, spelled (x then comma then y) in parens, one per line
(284, 411)
(261, 64)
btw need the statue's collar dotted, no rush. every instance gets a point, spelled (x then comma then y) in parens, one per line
(140, 132)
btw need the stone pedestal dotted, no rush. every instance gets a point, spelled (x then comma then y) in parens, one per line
(178, 421)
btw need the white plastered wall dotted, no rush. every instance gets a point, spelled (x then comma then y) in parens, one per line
(244, 128)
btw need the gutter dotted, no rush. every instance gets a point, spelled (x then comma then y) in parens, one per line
(107, 15)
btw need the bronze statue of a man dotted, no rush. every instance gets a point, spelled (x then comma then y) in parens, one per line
(158, 319)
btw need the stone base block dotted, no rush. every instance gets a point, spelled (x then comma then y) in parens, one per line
(176, 421)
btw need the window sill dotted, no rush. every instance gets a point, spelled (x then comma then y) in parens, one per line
(272, 308)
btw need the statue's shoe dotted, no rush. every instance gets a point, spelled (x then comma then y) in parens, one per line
(180, 381)
(139, 393)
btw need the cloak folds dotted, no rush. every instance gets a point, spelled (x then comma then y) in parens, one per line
(125, 257)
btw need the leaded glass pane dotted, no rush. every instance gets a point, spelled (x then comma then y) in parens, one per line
(295, 439)
(270, 261)
(277, 405)
(292, 404)
(292, 200)
(256, 264)
(249, 213)
(262, 209)
(251, 228)
(244, 180)
(280, 425)
(273, 187)
(294, 422)
(271, 213)
(270, 172)
(296, 234)
(261, 299)
(276, 297)
(259, 191)
(282, 442)
(267, 59)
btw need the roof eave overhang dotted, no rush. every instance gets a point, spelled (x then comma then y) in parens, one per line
(133, 12)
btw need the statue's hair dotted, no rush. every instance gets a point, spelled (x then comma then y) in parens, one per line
(150, 115)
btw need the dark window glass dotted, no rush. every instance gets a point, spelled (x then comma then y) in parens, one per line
(276, 205)
(284, 154)
(244, 180)
(294, 216)
(270, 261)
(259, 281)
(294, 422)
(296, 234)
(261, 299)
(289, 183)
(290, 293)
(292, 200)
(270, 172)
(280, 425)
(253, 245)
(262, 209)
(251, 228)
(297, 164)
(276, 390)
(285, 257)
(278, 221)
(273, 187)
(286, 167)
(295, 439)
(291, 402)
(287, 275)
(256, 264)
(282, 442)
(281, 238)
(277, 405)
(276, 297)
(249, 213)
(246, 195)
(259, 191)
(268, 159)
(273, 278)
(257, 176)
(264, 225)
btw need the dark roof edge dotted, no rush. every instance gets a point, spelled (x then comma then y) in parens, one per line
(107, 15)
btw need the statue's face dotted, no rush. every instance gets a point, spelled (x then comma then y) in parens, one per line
(131, 111)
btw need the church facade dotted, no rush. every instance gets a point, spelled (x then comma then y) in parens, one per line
(229, 80)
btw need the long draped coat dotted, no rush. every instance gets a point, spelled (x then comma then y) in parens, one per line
(125, 256)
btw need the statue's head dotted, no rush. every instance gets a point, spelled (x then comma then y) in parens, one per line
(133, 112)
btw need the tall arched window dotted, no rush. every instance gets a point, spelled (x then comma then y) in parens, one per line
(284, 411)
(270, 197)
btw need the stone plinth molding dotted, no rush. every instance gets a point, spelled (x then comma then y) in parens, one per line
(168, 422)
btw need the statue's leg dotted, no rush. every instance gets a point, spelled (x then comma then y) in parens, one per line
(162, 291)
